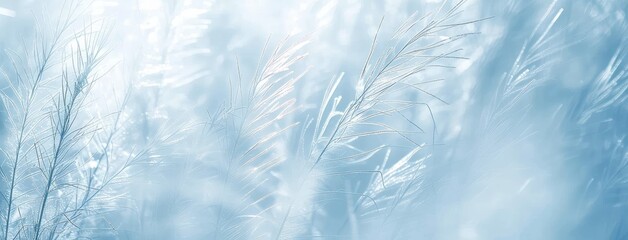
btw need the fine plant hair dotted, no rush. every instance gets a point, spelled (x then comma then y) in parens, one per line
(124, 123)
(608, 88)
(497, 119)
(22, 100)
(253, 129)
(528, 72)
(50, 193)
(604, 185)
(55, 162)
(379, 94)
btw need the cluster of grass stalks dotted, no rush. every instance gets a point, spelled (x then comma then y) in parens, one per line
(266, 191)
(63, 166)
(104, 144)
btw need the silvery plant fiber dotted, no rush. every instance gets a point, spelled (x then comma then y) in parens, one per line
(313, 119)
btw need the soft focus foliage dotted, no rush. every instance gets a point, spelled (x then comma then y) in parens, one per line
(334, 119)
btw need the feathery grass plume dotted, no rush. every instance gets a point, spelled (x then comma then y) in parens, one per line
(24, 102)
(394, 192)
(252, 131)
(609, 88)
(497, 126)
(492, 129)
(527, 73)
(56, 162)
(380, 94)
(597, 123)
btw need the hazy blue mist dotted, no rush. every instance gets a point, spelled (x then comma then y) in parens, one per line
(314, 119)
